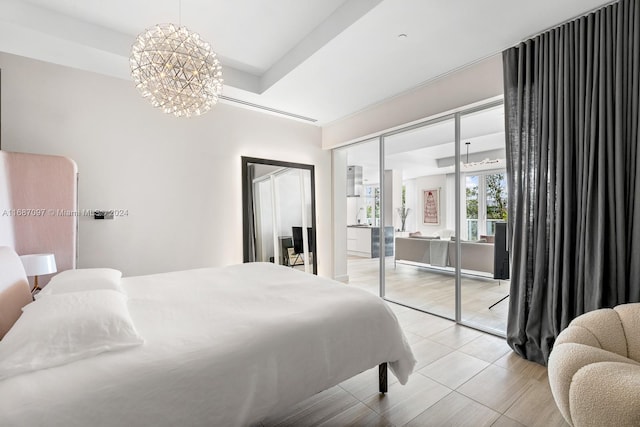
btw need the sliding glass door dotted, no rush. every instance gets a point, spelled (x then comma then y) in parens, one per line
(484, 276)
(437, 203)
(419, 184)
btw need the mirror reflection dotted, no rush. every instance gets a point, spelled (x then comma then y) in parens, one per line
(278, 206)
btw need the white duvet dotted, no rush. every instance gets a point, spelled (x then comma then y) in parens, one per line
(223, 347)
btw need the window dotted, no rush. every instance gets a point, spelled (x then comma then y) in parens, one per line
(372, 204)
(486, 200)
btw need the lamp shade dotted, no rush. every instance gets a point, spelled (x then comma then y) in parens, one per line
(39, 264)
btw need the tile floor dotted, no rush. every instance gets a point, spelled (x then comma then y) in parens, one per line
(463, 378)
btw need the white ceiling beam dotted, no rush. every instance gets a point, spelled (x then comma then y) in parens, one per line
(337, 22)
(34, 32)
(64, 27)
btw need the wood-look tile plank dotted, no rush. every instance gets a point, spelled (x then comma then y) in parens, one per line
(504, 421)
(454, 369)
(427, 351)
(403, 403)
(515, 363)
(314, 410)
(358, 415)
(316, 398)
(536, 408)
(456, 336)
(455, 410)
(496, 387)
(365, 385)
(427, 325)
(486, 347)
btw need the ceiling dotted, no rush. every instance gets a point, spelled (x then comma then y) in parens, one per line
(316, 59)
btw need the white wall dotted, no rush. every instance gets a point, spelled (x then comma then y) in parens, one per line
(179, 179)
(477, 82)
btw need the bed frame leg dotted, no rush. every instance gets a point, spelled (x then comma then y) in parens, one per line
(382, 377)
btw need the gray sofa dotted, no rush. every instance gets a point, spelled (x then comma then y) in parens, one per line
(476, 257)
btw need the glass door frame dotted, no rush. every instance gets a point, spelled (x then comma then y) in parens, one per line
(457, 117)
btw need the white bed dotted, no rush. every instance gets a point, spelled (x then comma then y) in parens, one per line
(223, 347)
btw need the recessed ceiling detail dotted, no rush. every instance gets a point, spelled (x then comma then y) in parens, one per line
(319, 59)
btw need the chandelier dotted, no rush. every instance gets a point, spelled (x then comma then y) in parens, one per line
(176, 70)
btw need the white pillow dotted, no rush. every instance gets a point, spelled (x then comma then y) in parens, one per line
(83, 279)
(63, 328)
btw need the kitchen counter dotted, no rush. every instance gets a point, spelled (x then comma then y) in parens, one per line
(364, 240)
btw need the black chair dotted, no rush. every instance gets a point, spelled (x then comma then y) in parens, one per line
(298, 243)
(500, 257)
(501, 252)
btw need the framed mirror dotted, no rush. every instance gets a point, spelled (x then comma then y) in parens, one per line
(278, 205)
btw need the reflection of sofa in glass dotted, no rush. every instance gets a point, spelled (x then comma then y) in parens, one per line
(477, 257)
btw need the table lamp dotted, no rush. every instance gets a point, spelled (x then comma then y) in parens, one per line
(38, 264)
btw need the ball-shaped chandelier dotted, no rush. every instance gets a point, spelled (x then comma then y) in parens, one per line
(176, 70)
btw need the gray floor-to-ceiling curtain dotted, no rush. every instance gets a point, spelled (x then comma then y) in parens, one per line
(572, 116)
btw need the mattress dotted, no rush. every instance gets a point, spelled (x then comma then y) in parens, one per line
(223, 347)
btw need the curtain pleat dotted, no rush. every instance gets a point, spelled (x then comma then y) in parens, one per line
(571, 117)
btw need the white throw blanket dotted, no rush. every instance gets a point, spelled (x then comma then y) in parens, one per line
(439, 252)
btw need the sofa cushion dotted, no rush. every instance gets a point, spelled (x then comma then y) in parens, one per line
(630, 321)
(606, 326)
(606, 394)
(475, 256)
(489, 238)
(593, 371)
(453, 239)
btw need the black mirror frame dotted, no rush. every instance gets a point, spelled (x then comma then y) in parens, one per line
(246, 218)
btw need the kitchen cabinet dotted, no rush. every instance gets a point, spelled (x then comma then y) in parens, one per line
(364, 241)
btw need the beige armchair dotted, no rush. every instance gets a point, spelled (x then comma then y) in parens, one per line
(594, 368)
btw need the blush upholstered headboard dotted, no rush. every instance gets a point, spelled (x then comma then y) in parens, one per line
(38, 206)
(14, 289)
